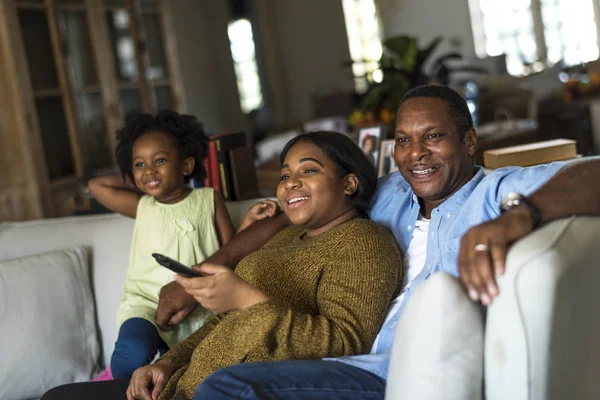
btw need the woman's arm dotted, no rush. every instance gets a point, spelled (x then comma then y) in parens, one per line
(353, 296)
(181, 353)
(223, 224)
(116, 195)
(174, 304)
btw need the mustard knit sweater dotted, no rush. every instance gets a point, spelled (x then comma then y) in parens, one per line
(328, 298)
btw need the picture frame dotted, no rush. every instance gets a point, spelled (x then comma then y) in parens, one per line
(369, 140)
(387, 164)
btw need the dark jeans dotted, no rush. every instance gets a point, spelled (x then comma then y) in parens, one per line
(106, 390)
(292, 380)
(136, 346)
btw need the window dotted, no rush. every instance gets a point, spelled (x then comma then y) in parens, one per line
(364, 40)
(536, 33)
(243, 52)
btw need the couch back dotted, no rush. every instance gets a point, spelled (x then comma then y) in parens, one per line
(107, 238)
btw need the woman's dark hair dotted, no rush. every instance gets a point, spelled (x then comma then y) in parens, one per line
(186, 130)
(348, 158)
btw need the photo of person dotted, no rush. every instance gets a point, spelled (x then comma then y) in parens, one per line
(386, 163)
(368, 141)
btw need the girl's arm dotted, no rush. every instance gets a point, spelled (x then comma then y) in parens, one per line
(223, 224)
(116, 195)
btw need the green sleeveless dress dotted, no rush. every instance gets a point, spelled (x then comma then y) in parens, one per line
(184, 231)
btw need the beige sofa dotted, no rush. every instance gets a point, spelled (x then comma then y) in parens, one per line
(542, 333)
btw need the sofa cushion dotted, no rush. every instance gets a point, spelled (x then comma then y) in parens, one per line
(48, 323)
(438, 346)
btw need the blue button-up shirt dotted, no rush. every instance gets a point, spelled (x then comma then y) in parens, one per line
(396, 207)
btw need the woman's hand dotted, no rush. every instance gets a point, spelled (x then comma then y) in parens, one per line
(221, 289)
(259, 211)
(156, 376)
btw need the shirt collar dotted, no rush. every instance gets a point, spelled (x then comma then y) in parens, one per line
(459, 197)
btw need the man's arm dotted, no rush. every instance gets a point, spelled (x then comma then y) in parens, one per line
(174, 304)
(572, 191)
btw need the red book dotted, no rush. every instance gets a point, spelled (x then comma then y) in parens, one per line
(207, 182)
(213, 166)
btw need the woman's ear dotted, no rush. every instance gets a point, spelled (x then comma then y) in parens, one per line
(188, 166)
(350, 184)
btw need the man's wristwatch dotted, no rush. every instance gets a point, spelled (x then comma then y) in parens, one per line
(514, 199)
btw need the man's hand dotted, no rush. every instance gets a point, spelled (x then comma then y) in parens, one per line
(153, 377)
(483, 252)
(174, 305)
(221, 290)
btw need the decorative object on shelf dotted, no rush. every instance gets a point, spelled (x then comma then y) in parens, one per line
(387, 164)
(369, 138)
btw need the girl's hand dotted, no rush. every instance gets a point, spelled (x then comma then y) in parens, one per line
(221, 290)
(155, 375)
(262, 210)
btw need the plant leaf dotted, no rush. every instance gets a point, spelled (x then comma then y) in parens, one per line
(402, 52)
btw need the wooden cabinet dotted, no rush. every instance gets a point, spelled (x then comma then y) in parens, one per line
(70, 73)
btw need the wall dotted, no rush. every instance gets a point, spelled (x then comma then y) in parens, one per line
(205, 61)
(310, 47)
(427, 19)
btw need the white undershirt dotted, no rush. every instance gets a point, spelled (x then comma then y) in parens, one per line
(414, 261)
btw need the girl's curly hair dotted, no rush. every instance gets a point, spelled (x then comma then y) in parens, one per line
(187, 131)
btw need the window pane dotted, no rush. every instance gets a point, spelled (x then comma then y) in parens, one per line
(241, 42)
(55, 137)
(122, 45)
(164, 98)
(80, 58)
(131, 101)
(152, 29)
(38, 49)
(94, 130)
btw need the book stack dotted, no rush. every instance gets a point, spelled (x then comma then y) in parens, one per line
(531, 154)
(230, 167)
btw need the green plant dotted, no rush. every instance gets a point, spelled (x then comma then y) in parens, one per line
(402, 64)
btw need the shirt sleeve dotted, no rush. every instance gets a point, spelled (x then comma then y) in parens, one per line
(522, 180)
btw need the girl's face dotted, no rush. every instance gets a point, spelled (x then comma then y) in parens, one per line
(157, 169)
(311, 192)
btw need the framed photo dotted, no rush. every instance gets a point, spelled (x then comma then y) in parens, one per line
(386, 161)
(369, 140)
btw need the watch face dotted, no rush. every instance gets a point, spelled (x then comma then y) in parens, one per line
(511, 199)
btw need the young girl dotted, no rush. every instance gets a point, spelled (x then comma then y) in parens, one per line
(157, 156)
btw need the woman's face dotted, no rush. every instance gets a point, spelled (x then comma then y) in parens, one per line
(311, 191)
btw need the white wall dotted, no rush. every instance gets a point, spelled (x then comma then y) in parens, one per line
(205, 63)
(312, 45)
(427, 19)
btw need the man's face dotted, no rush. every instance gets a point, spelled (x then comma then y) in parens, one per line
(431, 154)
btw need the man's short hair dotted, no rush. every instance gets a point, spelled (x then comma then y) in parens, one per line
(457, 106)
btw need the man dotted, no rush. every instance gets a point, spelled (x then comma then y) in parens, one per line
(437, 198)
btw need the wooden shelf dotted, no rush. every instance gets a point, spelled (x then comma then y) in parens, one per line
(44, 93)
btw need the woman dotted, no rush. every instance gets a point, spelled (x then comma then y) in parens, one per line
(319, 288)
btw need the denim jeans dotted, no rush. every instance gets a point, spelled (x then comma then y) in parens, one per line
(292, 380)
(136, 346)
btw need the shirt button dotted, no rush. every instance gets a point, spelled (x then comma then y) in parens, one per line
(449, 215)
(409, 227)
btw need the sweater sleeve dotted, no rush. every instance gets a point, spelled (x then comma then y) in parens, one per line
(354, 292)
(180, 354)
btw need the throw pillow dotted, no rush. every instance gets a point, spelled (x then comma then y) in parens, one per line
(48, 323)
(438, 345)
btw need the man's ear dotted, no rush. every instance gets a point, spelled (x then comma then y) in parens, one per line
(350, 184)
(188, 165)
(471, 141)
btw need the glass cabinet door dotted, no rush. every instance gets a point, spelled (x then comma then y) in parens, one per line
(87, 91)
(119, 27)
(47, 93)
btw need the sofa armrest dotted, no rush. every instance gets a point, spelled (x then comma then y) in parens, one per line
(541, 339)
